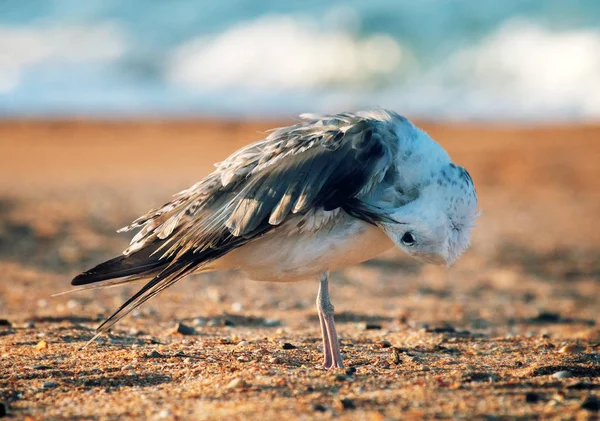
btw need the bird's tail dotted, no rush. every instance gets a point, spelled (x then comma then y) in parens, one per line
(150, 265)
(143, 265)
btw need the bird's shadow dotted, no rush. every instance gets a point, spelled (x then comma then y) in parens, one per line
(231, 320)
(351, 317)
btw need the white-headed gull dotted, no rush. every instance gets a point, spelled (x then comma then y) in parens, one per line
(328, 192)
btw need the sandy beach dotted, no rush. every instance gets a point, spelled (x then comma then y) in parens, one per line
(511, 331)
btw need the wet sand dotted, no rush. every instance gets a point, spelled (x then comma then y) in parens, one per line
(480, 341)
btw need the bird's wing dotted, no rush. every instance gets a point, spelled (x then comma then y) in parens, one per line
(322, 162)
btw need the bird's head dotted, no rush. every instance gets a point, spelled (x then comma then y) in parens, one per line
(436, 226)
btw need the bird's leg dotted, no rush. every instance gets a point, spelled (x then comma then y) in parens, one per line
(331, 346)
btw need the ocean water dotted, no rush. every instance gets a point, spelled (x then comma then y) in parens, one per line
(485, 60)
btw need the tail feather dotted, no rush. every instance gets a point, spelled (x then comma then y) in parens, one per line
(122, 266)
(163, 280)
(163, 271)
(110, 283)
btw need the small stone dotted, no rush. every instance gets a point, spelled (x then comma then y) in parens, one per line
(41, 367)
(591, 403)
(569, 349)
(348, 404)
(237, 307)
(532, 397)
(41, 345)
(370, 326)
(5, 323)
(154, 354)
(547, 317)
(288, 345)
(441, 329)
(185, 329)
(350, 371)
(243, 343)
(563, 374)
(383, 344)
(274, 360)
(127, 367)
(165, 413)
(228, 323)
(237, 383)
(49, 385)
(319, 408)
(3, 409)
(341, 378)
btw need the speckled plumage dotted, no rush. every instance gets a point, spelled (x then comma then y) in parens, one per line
(324, 193)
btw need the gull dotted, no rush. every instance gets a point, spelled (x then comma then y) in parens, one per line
(325, 193)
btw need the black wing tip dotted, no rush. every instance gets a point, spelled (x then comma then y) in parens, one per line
(81, 279)
(91, 276)
(112, 268)
(119, 267)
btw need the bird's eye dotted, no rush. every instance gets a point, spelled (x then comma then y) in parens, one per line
(408, 239)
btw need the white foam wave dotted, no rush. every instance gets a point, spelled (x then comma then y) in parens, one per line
(283, 52)
(523, 71)
(22, 47)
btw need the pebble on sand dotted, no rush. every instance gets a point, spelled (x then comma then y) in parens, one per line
(369, 326)
(383, 344)
(569, 349)
(237, 383)
(3, 409)
(185, 329)
(563, 374)
(154, 354)
(591, 403)
(347, 403)
(319, 408)
(532, 397)
(41, 367)
(41, 345)
(288, 345)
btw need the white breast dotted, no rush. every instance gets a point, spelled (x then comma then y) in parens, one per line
(287, 254)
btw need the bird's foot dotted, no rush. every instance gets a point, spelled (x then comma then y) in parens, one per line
(331, 364)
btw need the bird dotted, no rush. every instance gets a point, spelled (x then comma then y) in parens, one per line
(324, 193)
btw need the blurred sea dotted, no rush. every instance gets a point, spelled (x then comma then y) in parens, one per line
(491, 60)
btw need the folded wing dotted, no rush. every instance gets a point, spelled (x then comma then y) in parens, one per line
(326, 162)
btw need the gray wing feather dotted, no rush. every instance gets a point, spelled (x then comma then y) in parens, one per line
(318, 162)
